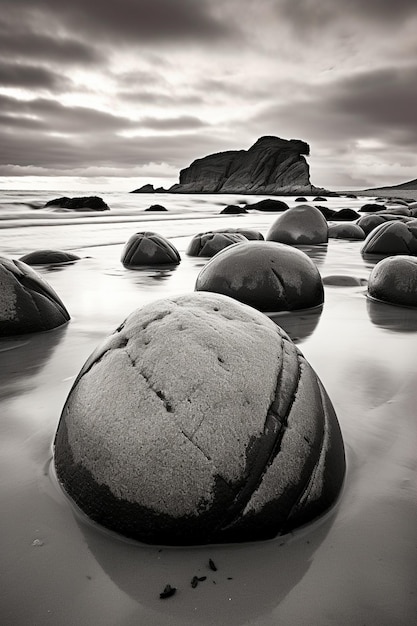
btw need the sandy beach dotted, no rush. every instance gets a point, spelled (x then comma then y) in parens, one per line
(355, 566)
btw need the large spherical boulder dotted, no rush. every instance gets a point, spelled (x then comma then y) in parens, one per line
(346, 231)
(49, 257)
(369, 222)
(199, 421)
(149, 248)
(392, 238)
(394, 280)
(28, 304)
(209, 244)
(300, 225)
(269, 276)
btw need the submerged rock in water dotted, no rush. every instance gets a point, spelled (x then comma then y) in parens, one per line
(269, 205)
(28, 304)
(369, 222)
(49, 257)
(149, 248)
(199, 421)
(210, 243)
(249, 233)
(85, 203)
(300, 225)
(394, 280)
(156, 207)
(233, 209)
(269, 276)
(393, 237)
(346, 231)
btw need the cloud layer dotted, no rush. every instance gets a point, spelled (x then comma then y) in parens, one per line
(104, 86)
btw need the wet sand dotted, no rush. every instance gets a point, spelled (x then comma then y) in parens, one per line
(356, 566)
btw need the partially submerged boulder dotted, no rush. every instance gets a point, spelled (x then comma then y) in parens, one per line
(210, 243)
(249, 233)
(346, 231)
(300, 225)
(233, 209)
(84, 203)
(28, 304)
(394, 280)
(269, 276)
(269, 205)
(369, 222)
(156, 207)
(392, 238)
(199, 421)
(49, 257)
(149, 248)
(345, 215)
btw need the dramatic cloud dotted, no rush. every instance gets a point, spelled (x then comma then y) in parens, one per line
(106, 86)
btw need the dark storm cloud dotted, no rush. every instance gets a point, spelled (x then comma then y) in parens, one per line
(319, 13)
(30, 77)
(53, 153)
(127, 20)
(18, 42)
(376, 104)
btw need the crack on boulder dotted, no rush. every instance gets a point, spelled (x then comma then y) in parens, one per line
(197, 446)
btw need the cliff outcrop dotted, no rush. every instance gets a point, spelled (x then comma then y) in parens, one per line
(272, 166)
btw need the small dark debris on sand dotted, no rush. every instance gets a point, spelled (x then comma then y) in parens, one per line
(212, 565)
(167, 592)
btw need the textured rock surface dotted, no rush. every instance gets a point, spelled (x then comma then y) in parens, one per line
(249, 233)
(85, 203)
(199, 421)
(149, 248)
(394, 280)
(393, 237)
(271, 166)
(46, 257)
(209, 244)
(28, 304)
(300, 225)
(266, 275)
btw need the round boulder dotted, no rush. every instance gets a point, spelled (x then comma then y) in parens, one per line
(249, 233)
(345, 215)
(233, 209)
(394, 280)
(49, 257)
(199, 421)
(392, 238)
(269, 204)
(28, 304)
(346, 231)
(300, 225)
(371, 207)
(149, 248)
(269, 276)
(209, 244)
(156, 207)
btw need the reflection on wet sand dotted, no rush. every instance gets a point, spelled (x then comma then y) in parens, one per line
(391, 317)
(298, 324)
(249, 582)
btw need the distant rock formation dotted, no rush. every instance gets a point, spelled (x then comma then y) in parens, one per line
(85, 203)
(271, 166)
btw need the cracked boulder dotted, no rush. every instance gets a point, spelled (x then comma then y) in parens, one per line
(301, 225)
(210, 243)
(149, 248)
(199, 421)
(28, 304)
(269, 276)
(394, 280)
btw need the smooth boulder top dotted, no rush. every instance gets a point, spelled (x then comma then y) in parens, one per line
(394, 280)
(233, 209)
(210, 243)
(49, 257)
(249, 233)
(300, 225)
(346, 231)
(28, 304)
(199, 421)
(149, 248)
(393, 237)
(269, 204)
(269, 276)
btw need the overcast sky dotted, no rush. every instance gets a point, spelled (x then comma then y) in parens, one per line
(139, 88)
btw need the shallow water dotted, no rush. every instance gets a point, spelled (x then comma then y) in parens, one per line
(355, 566)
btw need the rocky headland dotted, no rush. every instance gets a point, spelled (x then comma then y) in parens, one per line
(272, 166)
